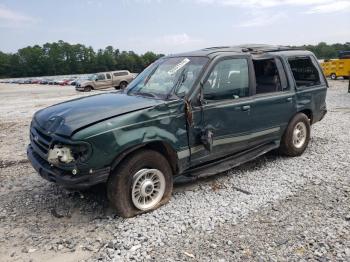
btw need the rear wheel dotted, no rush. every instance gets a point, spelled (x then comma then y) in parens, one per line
(333, 76)
(296, 137)
(123, 84)
(141, 183)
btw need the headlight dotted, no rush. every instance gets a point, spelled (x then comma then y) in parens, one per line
(60, 154)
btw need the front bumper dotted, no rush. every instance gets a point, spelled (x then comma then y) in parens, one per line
(79, 88)
(64, 178)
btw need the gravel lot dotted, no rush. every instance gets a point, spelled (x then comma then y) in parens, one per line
(270, 209)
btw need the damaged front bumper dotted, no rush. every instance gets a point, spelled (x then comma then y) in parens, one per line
(65, 178)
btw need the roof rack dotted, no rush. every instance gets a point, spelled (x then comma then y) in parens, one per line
(253, 48)
(215, 47)
(266, 48)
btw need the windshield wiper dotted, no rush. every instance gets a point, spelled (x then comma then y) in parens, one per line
(145, 94)
(179, 82)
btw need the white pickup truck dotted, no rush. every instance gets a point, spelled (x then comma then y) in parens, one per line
(116, 79)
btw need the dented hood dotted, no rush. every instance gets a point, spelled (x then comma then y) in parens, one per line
(67, 117)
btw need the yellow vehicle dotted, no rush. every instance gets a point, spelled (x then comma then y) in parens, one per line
(336, 67)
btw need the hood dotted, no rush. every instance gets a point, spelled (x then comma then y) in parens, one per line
(67, 117)
(84, 82)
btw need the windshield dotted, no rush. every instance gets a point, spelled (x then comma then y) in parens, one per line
(91, 77)
(176, 74)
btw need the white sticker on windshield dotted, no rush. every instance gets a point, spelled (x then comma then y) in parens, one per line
(178, 66)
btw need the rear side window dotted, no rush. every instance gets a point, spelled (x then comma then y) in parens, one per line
(120, 74)
(108, 76)
(270, 76)
(304, 71)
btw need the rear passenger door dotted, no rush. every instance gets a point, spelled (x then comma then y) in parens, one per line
(274, 101)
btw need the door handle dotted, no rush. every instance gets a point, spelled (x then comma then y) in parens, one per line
(289, 99)
(246, 107)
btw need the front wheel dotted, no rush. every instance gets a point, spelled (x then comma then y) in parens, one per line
(87, 88)
(333, 76)
(141, 183)
(296, 137)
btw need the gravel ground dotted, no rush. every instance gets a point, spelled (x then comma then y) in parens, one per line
(270, 209)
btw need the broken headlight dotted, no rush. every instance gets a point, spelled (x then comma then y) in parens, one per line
(68, 154)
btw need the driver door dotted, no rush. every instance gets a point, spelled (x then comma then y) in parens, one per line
(101, 81)
(225, 111)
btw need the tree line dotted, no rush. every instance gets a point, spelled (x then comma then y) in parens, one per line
(325, 51)
(62, 58)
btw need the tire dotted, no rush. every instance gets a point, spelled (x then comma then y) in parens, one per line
(333, 76)
(123, 84)
(298, 129)
(122, 183)
(87, 88)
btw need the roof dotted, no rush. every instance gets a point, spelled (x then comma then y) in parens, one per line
(240, 49)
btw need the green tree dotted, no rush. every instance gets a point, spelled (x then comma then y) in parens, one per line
(60, 58)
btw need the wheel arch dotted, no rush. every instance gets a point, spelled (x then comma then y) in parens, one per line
(308, 113)
(91, 86)
(335, 75)
(161, 147)
(124, 81)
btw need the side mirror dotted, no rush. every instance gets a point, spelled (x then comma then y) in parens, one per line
(181, 95)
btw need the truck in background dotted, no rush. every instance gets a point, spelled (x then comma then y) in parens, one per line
(116, 79)
(335, 68)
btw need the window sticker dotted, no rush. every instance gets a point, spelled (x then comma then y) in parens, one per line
(179, 66)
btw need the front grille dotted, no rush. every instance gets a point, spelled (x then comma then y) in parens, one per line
(40, 142)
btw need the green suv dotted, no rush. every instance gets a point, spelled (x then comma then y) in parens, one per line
(188, 115)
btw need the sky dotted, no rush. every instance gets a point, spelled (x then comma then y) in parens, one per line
(165, 26)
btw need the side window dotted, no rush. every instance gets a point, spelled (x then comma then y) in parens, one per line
(108, 76)
(101, 77)
(228, 80)
(270, 76)
(304, 71)
(120, 73)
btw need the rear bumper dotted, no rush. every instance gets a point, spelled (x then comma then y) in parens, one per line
(64, 178)
(324, 112)
(321, 115)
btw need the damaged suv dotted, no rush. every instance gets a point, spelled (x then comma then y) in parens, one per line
(188, 115)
